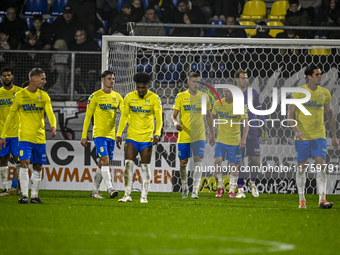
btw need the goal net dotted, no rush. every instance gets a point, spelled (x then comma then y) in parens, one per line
(269, 64)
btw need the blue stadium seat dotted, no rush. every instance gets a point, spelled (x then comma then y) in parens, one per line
(211, 32)
(50, 20)
(119, 4)
(174, 2)
(35, 7)
(99, 42)
(145, 3)
(144, 67)
(2, 13)
(58, 7)
(2, 18)
(29, 21)
(105, 26)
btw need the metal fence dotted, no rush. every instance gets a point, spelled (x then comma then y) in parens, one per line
(71, 76)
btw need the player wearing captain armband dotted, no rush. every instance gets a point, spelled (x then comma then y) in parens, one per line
(310, 134)
(7, 93)
(191, 131)
(141, 107)
(103, 104)
(229, 143)
(31, 104)
(252, 149)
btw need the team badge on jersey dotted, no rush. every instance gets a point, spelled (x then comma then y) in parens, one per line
(39, 99)
(147, 101)
(114, 99)
(321, 96)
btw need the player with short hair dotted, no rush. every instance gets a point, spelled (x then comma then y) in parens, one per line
(310, 134)
(229, 142)
(252, 149)
(191, 135)
(31, 104)
(7, 93)
(141, 107)
(103, 104)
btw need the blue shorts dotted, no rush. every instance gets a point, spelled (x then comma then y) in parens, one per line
(139, 145)
(184, 149)
(252, 148)
(313, 148)
(104, 146)
(232, 153)
(33, 151)
(12, 147)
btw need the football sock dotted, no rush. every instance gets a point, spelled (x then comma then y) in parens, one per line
(36, 179)
(24, 181)
(106, 174)
(321, 182)
(146, 176)
(97, 180)
(219, 180)
(232, 184)
(184, 176)
(4, 176)
(197, 176)
(240, 178)
(128, 175)
(300, 183)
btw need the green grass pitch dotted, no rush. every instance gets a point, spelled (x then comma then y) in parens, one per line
(70, 222)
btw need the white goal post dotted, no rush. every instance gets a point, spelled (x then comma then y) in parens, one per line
(270, 63)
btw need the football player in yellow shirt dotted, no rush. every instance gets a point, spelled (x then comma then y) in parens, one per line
(31, 104)
(103, 104)
(229, 143)
(7, 93)
(191, 131)
(310, 134)
(141, 107)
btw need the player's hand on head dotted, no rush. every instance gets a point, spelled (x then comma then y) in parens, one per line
(155, 139)
(83, 142)
(53, 131)
(119, 141)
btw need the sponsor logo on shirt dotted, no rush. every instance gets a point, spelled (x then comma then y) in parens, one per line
(5, 102)
(313, 104)
(139, 109)
(107, 107)
(192, 108)
(31, 108)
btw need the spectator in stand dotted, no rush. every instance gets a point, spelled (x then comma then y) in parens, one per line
(85, 11)
(120, 22)
(27, 61)
(41, 29)
(107, 10)
(183, 7)
(328, 15)
(16, 27)
(165, 10)
(16, 4)
(4, 45)
(289, 34)
(87, 66)
(224, 8)
(189, 18)
(262, 32)
(205, 6)
(59, 64)
(239, 33)
(150, 17)
(296, 16)
(137, 10)
(312, 7)
(65, 26)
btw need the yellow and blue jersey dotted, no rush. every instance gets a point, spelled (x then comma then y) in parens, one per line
(6, 101)
(140, 114)
(313, 126)
(31, 108)
(104, 107)
(228, 133)
(190, 116)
